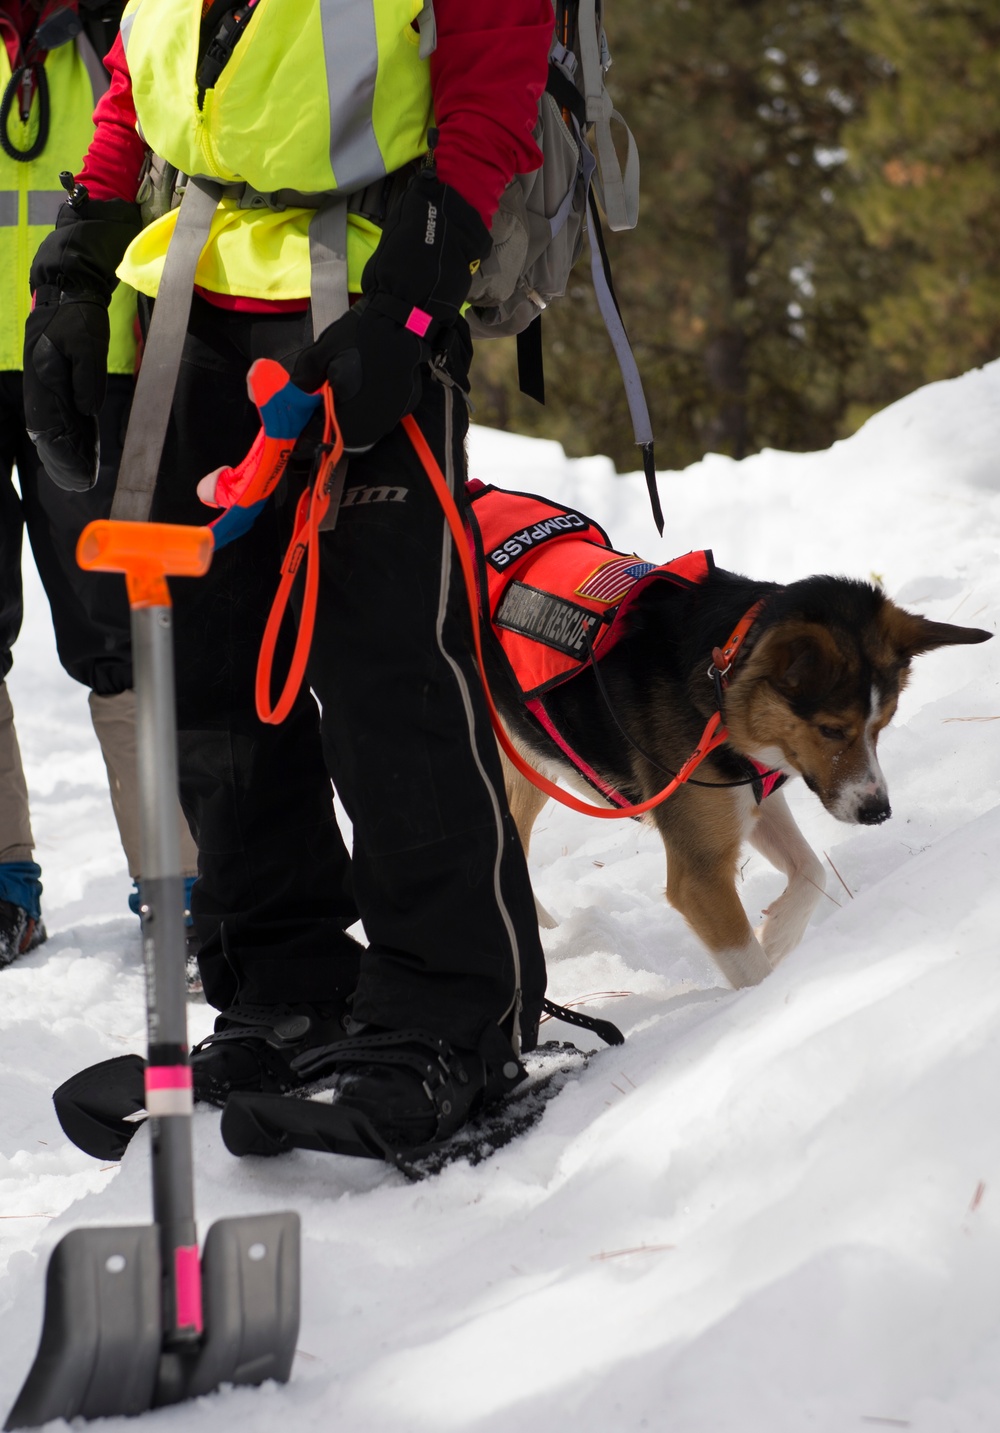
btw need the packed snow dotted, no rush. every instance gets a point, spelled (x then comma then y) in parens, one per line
(771, 1210)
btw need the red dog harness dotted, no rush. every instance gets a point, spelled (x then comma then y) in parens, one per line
(554, 587)
(556, 592)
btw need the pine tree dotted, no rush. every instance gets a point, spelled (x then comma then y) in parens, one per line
(930, 198)
(743, 287)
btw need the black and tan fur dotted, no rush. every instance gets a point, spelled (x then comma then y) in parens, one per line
(817, 681)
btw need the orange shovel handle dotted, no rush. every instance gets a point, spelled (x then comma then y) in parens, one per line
(148, 553)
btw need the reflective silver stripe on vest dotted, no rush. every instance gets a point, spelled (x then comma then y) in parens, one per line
(44, 206)
(350, 50)
(427, 25)
(126, 28)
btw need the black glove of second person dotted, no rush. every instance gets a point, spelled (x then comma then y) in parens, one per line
(413, 288)
(67, 335)
(65, 377)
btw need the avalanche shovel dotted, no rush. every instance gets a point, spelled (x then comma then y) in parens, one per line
(133, 1318)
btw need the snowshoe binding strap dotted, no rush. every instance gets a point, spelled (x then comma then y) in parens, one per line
(605, 1029)
(275, 1124)
(439, 1088)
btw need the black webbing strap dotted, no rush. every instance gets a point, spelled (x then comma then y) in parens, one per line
(566, 95)
(607, 301)
(609, 1033)
(530, 368)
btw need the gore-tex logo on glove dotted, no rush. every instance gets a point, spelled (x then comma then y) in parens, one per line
(431, 230)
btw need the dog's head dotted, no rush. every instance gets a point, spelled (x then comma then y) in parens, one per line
(822, 681)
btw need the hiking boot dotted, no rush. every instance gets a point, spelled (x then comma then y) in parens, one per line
(19, 932)
(385, 1094)
(253, 1047)
(192, 972)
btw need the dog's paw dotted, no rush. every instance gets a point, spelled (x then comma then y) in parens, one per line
(786, 918)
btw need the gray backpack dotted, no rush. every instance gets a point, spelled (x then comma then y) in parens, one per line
(539, 228)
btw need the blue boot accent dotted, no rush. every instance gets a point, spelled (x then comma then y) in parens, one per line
(20, 884)
(135, 898)
(188, 887)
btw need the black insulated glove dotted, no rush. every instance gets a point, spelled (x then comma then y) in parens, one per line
(413, 289)
(67, 335)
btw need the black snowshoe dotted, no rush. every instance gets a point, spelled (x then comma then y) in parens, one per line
(342, 1098)
(326, 1118)
(407, 1097)
(101, 1107)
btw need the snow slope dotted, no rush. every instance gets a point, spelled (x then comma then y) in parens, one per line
(771, 1210)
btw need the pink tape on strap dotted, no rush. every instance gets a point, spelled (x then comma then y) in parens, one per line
(418, 322)
(168, 1077)
(770, 778)
(187, 1287)
(608, 792)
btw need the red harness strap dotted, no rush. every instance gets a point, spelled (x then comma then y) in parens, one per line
(724, 657)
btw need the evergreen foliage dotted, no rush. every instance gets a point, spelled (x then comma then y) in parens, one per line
(926, 153)
(744, 287)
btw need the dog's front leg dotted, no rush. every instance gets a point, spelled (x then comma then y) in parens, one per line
(703, 840)
(525, 802)
(775, 835)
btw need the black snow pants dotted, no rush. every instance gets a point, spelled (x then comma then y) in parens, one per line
(438, 875)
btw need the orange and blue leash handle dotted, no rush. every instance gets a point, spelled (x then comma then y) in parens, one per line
(243, 490)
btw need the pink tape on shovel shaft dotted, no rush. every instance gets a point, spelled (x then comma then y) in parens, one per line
(168, 1077)
(169, 1090)
(187, 1287)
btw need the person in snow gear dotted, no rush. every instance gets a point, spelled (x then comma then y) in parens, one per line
(50, 78)
(341, 239)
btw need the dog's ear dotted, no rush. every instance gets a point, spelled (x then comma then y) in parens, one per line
(912, 634)
(804, 663)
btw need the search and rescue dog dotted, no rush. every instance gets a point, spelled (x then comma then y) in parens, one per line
(816, 680)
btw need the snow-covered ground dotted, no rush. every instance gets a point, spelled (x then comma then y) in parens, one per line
(770, 1211)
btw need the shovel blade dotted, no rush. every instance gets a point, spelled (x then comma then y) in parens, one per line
(101, 1333)
(250, 1273)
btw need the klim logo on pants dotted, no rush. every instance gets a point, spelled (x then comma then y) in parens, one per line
(363, 497)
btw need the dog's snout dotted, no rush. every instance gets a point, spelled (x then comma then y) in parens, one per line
(874, 811)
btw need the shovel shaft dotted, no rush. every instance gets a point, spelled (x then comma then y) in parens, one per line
(168, 1076)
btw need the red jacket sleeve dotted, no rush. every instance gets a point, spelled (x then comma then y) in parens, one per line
(487, 76)
(113, 163)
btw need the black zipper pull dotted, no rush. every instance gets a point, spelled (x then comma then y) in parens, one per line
(76, 194)
(27, 91)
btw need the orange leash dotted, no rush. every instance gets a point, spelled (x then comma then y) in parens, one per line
(312, 509)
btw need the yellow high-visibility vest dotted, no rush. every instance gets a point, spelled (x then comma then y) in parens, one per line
(30, 197)
(319, 96)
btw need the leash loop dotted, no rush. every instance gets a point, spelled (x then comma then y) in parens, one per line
(312, 508)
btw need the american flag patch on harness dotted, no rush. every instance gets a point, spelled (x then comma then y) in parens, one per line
(612, 580)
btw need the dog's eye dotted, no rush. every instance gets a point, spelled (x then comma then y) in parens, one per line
(833, 733)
